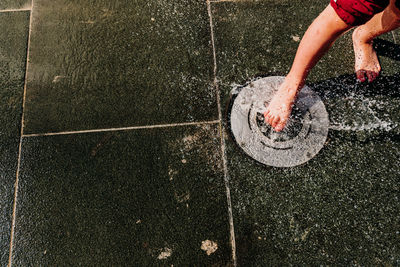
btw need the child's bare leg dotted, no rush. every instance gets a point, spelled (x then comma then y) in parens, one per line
(319, 37)
(366, 60)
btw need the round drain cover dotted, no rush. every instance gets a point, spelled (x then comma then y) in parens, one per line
(303, 136)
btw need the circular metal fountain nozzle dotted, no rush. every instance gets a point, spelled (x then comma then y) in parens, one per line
(304, 134)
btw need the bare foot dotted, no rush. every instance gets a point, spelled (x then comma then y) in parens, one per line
(366, 60)
(280, 107)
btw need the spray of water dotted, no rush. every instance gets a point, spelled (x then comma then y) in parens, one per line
(365, 116)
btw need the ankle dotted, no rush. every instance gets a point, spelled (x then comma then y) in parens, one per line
(291, 86)
(293, 80)
(360, 37)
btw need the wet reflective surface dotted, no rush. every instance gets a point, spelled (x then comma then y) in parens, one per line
(342, 206)
(14, 4)
(13, 40)
(149, 196)
(104, 64)
(157, 195)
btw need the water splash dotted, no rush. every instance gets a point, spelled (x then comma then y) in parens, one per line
(355, 113)
(365, 116)
(302, 138)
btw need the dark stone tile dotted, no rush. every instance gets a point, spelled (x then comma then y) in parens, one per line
(340, 208)
(14, 4)
(13, 41)
(396, 34)
(100, 64)
(388, 52)
(123, 197)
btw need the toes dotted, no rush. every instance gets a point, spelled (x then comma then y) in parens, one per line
(280, 126)
(267, 117)
(364, 75)
(275, 121)
(270, 120)
(361, 75)
(372, 75)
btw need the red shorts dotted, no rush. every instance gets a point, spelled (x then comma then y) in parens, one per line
(357, 12)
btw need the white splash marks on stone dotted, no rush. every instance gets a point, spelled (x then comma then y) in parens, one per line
(379, 125)
(234, 85)
(57, 79)
(171, 173)
(342, 124)
(367, 118)
(165, 253)
(181, 198)
(295, 38)
(209, 246)
(305, 234)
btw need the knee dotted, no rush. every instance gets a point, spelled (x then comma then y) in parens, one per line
(394, 9)
(391, 14)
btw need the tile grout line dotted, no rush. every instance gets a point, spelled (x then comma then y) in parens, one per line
(14, 10)
(123, 128)
(222, 139)
(14, 212)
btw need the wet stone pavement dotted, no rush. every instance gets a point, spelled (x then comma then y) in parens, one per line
(115, 148)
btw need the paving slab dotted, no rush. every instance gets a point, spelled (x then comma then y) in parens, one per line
(149, 197)
(103, 64)
(13, 47)
(341, 207)
(15, 4)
